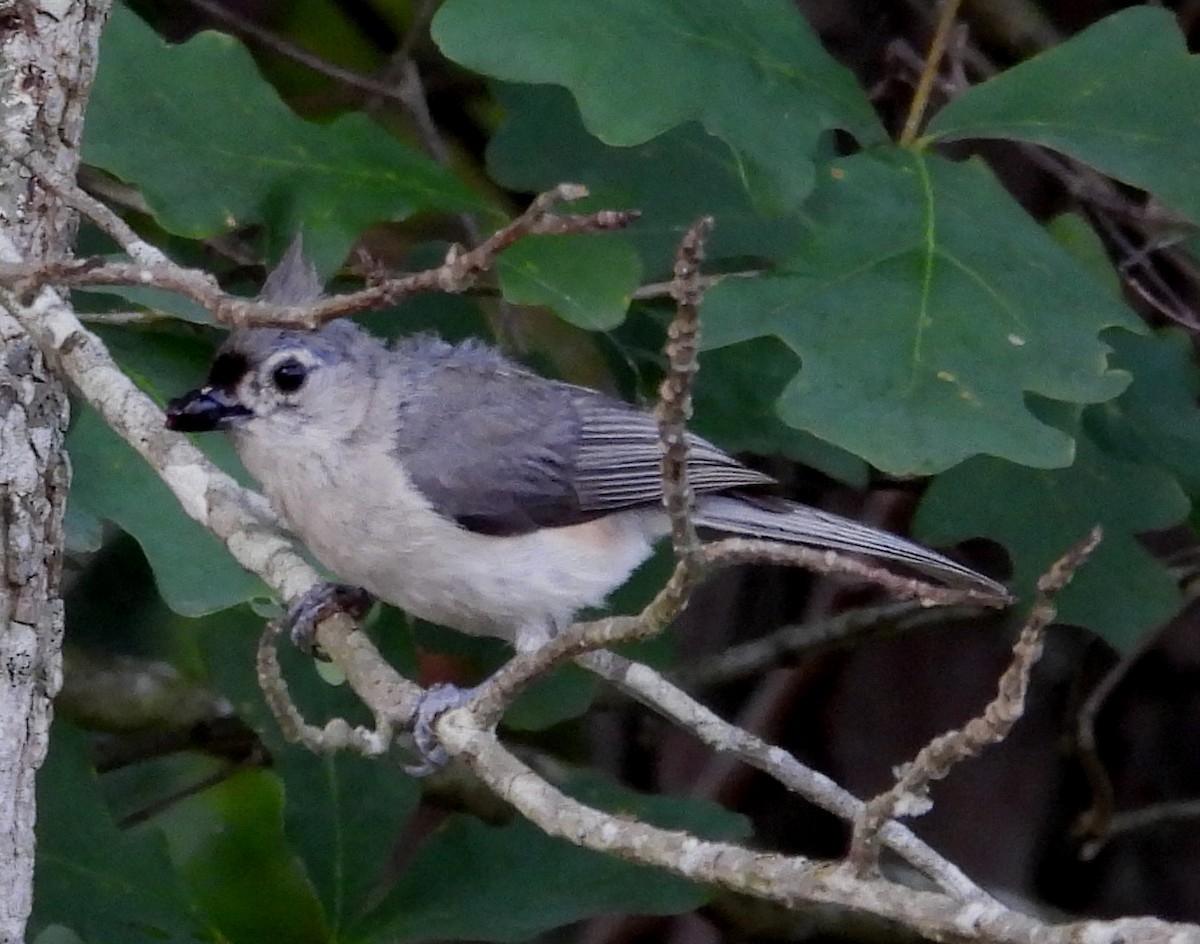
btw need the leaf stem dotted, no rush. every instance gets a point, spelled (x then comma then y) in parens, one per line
(916, 111)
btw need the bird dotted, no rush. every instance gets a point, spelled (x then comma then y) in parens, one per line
(469, 491)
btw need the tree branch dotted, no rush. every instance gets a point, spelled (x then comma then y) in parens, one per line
(657, 693)
(460, 272)
(801, 639)
(675, 393)
(908, 797)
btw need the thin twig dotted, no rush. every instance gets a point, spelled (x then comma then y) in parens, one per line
(937, 46)
(849, 628)
(404, 72)
(675, 393)
(935, 761)
(248, 29)
(1096, 820)
(653, 290)
(163, 803)
(337, 734)
(413, 91)
(460, 272)
(1147, 817)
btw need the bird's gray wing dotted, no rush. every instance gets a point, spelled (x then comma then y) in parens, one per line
(505, 452)
(619, 461)
(492, 449)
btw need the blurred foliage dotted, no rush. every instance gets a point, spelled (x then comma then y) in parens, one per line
(901, 310)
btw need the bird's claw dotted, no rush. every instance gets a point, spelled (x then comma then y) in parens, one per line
(319, 603)
(432, 704)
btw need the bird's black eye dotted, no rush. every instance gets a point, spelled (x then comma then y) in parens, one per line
(289, 376)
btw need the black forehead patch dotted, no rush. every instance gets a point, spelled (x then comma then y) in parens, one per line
(227, 370)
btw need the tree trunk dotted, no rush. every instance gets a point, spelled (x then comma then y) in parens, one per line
(47, 60)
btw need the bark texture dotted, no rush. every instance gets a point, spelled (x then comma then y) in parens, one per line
(47, 60)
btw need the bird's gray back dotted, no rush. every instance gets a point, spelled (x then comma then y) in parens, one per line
(504, 451)
(489, 444)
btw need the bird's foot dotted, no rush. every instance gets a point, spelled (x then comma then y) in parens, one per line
(321, 602)
(433, 703)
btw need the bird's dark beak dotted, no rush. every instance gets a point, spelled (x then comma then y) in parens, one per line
(203, 410)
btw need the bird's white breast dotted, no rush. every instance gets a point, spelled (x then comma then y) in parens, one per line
(363, 519)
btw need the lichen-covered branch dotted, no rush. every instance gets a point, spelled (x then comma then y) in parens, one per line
(789, 880)
(675, 393)
(659, 694)
(460, 272)
(907, 797)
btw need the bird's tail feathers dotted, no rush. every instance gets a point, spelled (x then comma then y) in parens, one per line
(794, 523)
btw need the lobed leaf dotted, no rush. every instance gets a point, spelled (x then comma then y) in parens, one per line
(924, 308)
(211, 147)
(677, 177)
(587, 279)
(1037, 514)
(639, 68)
(1123, 96)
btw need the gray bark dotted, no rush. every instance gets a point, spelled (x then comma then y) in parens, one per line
(47, 60)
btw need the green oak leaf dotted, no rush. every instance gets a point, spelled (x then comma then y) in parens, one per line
(924, 308)
(192, 569)
(227, 843)
(1038, 514)
(105, 883)
(587, 279)
(514, 882)
(343, 815)
(212, 147)
(1122, 96)
(674, 179)
(736, 393)
(1155, 420)
(679, 61)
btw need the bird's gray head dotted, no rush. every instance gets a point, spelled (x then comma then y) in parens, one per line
(284, 382)
(266, 380)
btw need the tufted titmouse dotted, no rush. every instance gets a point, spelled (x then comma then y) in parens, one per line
(451, 482)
